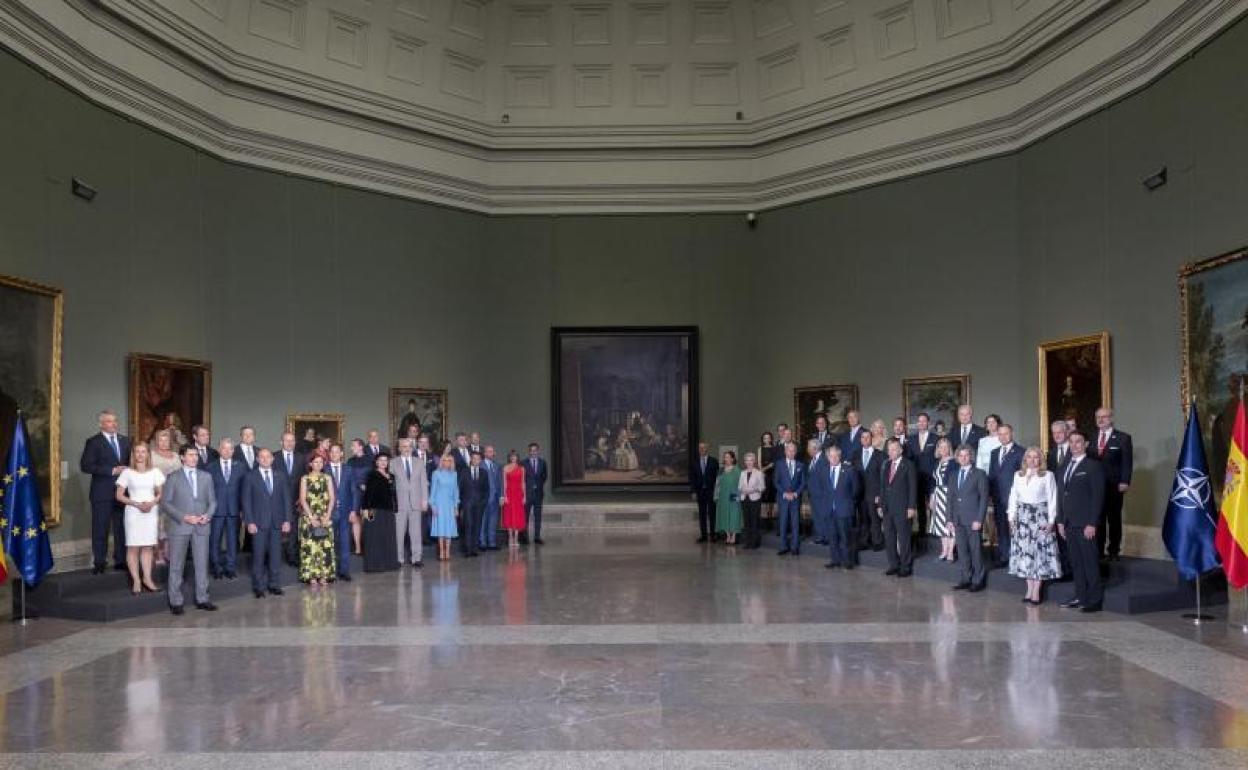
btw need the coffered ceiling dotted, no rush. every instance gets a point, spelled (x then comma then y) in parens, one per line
(608, 105)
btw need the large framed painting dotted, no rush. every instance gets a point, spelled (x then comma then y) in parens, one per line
(168, 393)
(423, 407)
(31, 315)
(624, 412)
(1213, 295)
(1075, 381)
(938, 396)
(310, 427)
(831, 401)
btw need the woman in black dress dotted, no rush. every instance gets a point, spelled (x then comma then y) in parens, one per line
(381, 550)
(767, 462)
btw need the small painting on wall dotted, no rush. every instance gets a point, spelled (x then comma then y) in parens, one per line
(830, 401)
(311, 427)
(938, 397)
(425, 408)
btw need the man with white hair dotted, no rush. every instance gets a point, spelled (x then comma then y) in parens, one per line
(104, 456)
(1113, 449)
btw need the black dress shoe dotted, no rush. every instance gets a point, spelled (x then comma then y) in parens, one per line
(833, 565)
(415, 565)
(1034, 602)
(962, 586)
(1091, 608)
(1070, 604)
(214, 575)
(891, 571)
(782, 552)
(976, 588)
(276, 591)
(231, 575)
(120, 568)
(539, 541)
(904, 573)
(849, 566)
(176, 610)
(344, 577)
(877, 548)
(259, 594)
(702, 539)
(206, 606)
(97, 569)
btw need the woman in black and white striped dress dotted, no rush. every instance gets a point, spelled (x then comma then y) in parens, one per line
(938, 521)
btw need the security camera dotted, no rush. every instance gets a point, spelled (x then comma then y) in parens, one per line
(751, 220)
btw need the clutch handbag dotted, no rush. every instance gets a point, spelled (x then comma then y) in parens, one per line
(367, 514)
(319, 533)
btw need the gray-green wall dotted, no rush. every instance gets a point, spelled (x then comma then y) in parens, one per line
(310, 296)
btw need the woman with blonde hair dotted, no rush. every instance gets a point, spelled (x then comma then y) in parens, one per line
(878, 435)
(138, 488)
(164, 454)
(750, 488)
(1032, 513)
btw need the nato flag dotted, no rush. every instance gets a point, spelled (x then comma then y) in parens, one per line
(25, 533)
(1190, 526)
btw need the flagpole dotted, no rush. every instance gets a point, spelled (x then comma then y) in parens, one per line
(1199, 616)
(23, 582)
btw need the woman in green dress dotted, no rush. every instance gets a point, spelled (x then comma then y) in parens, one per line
(727, 498)
(316, 545)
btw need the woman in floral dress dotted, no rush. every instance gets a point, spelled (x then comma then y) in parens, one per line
(316, 545)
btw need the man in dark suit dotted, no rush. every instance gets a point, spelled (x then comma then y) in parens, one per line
(291, 467)
(1059, 446)
(227, 480)
(1003, 468)
(966, 431)
(849, 439)
(267, 513)
(921, 449)
(201, 442)
(475, 445)
(1081, 500)
(104, 457)
(817, 491)
(474, 493)
(534, 491)
(790, 481)
(869, 464)
(703, 473)
(822, 435)
(346, 507)
(428, 459)
(966, 509)
(1113, 449)
(245, 451)
(374, 446)
(461, 452)
(898, 492)
(841, 502)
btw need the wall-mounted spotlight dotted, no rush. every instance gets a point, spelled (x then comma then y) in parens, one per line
(81, 189)
(751, 220)
(506, 117)
(1156, 180)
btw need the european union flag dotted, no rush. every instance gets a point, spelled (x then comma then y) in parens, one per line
(25, 532)
(1190, 526)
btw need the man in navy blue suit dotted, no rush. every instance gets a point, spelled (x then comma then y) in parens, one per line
(849, 440)
(1002, 469)
(227, 480)
(703, 473)
(346, 507)
(921, 448)
(534, 491)
(966, 431)
(267, 510)
(841, 506)
(816, 491)
(790, 480)
(105, 456)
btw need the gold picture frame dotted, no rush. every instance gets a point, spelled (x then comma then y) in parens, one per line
(43, 410)
(1074, 379)
(837, 399)
(433, 414)
(167, 392)
(299, 422)
(938, 395)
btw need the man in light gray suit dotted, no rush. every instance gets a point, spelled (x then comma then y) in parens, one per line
(968, 504)
(411, 487)
(189, 501)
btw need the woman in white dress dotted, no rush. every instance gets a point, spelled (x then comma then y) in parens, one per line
(1032, 513)
(138, 488)
(623, 458)
(164, 459)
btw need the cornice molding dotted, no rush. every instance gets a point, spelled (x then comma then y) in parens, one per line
(992, 114)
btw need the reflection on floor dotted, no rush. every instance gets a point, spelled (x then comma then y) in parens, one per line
(625, 650)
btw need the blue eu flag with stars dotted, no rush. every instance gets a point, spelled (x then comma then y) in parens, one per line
(1190, 525)
(21, 512)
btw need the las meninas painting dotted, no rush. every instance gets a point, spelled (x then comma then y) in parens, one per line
(625, 406)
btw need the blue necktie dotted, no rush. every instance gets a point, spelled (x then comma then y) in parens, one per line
(268, 482)
(961, 478)
(835, 475)
(112, 440)
(190, 476)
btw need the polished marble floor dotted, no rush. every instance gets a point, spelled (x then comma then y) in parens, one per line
(626, 650)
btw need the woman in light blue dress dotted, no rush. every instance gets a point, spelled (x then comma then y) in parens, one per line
(444, 500)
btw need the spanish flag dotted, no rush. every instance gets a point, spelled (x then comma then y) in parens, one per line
(1232, 537)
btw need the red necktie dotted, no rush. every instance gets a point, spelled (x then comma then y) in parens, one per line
(892, 472)
(1100, 446)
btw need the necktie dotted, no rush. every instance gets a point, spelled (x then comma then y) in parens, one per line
(112, 440)
(474, 474)
(247, 454)
(866, 458)
(407, 467)
(791, 471)
(268, 482)
(961, 478)
(203, 456)
(225, 470)
(1070, 471)
(190, 476)
(892, 472)
(703, 466)
(533, 462)
(835, 475)
(1061, 454)
(965, 430)
(334, 470)
(1100, 446)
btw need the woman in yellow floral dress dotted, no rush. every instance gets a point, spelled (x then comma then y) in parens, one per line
(316, 543)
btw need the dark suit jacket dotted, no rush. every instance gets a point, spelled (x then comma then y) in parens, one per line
(1001, 474)
(829, 438)
(241, 456)
(98, 459)
(300, 465)
(869, 477)
(474, 493)
(229, 496)
(902, 494)
(1050, 458)
(212, 454)
(703, 484)
(1118, 460)
(841, 501)
(968, 503)
(925, 458)
(261, 508)
(849, 441)
(1079, 500)
(368, 452)
(785, 483)
(977, 432)
(347, 492)
(534, 483)
(818, 483)
(461, 462)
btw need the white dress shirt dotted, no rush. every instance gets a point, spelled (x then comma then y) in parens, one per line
(1033, 489)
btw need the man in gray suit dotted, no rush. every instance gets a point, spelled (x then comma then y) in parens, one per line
(411, 487)
(968, 504)
(189, 501)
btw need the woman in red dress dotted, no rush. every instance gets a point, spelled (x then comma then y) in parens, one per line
(513, 499)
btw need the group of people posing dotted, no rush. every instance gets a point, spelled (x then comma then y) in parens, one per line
(1046, 515)
(316, 505)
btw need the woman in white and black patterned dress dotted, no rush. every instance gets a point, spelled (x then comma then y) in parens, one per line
(1032, 512)
(938, 503)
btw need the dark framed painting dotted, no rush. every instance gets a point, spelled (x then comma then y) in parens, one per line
(31, 317)
(1213, 298)
(426, 408)
(173, 394)
(831, 401)
(939, 396)
(310, 427)
(624, 411)
(1075, 381)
